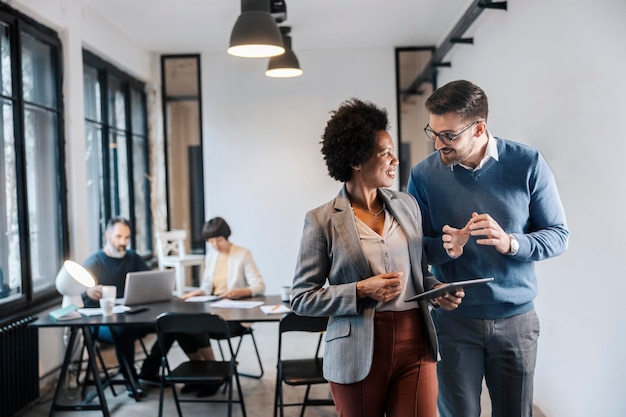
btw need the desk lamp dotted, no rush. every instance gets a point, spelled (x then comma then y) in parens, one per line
(71, 281)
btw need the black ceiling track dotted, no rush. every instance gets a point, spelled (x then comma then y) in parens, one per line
(428, 74)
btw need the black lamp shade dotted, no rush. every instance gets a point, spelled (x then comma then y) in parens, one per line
(255, 34)
(285, 65)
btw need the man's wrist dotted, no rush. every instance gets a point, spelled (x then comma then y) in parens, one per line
(513, 245)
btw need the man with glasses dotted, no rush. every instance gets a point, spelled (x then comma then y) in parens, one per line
(490, 208)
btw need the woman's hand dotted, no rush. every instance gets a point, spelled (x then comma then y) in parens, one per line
(237, 293)
(383, 287)
(192, 294)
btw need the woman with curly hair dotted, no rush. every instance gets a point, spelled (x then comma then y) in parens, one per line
(360, 257)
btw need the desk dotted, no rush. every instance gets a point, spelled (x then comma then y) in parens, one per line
(148, 317)
(180, 263)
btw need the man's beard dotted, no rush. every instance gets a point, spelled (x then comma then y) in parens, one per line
(449, 159)
(114, 252)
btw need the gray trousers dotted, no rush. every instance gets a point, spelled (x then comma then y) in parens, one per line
(503, 351)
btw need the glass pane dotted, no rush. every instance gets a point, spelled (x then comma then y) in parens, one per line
(181, 77)
(93, 108)
(138, 113)
(10, 269)
(119, 170)
(40, 135)
(142, 195)
(5, 51)
(117, 104)
(37, 72)
(95, 185)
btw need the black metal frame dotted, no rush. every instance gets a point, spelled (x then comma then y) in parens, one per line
(429, 73)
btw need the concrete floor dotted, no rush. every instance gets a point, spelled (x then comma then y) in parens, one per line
(258, 393)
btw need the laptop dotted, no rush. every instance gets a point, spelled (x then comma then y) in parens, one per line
(148, 287)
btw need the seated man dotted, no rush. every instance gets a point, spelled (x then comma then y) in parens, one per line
(109, 266)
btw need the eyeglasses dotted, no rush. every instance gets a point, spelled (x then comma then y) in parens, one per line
(446, 138)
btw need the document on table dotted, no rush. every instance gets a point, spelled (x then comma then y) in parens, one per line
(226, 303)
(275, 309)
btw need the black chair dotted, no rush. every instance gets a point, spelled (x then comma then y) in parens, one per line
(240, 330)
(302, 371)
(197, 372)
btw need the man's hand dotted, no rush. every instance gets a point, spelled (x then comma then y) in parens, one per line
(382, 287)
(455, 239)
(95, 293)
(484, 225)
(450, 301)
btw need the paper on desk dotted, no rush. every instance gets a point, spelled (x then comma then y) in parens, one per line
(201, 298)
(226, 303)
(275, 309)
(98, 311)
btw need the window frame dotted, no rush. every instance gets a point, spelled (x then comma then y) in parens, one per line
(128, 84)
(29, 301)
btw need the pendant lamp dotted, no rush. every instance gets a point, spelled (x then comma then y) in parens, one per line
(285, 65)
(255, 34)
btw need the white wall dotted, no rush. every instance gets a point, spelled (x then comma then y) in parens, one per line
(554, 72)
(263, 165)
(554, 75)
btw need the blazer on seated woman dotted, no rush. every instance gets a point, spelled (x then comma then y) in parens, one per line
(242, 271)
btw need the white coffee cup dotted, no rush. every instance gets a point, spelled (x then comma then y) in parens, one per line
(109, 291)
(106, 305)
(285, 293)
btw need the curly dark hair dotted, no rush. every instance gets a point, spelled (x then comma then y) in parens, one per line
(350, 136)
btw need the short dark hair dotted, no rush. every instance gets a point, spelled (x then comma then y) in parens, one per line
(118, 219)
(461, 97)
(350, 136)
(216, 227)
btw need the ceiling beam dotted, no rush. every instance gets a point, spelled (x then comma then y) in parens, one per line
(455, 36)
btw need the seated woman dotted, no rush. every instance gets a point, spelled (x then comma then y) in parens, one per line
(229, 272)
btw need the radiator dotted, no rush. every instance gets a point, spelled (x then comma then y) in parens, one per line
(19, 366)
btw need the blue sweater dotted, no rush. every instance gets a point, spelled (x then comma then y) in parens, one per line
(519, 192)
(112, 271)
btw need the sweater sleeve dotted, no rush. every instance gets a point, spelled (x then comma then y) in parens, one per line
(547, 234)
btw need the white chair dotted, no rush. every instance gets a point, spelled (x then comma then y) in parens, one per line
(171, 253)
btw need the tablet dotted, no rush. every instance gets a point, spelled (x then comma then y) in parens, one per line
(450, 287)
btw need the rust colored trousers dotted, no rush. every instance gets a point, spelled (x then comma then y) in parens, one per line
(403, 379)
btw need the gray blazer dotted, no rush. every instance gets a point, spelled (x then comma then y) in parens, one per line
(330, 251)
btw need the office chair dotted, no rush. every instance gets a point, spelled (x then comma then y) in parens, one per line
(198, 372)
(303, 371)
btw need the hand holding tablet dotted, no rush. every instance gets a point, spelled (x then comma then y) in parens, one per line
(448, 288)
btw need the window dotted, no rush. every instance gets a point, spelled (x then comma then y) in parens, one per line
(182, 118)
(117, 152)
(33, 212)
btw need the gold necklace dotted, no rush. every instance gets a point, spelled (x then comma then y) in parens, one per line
(369, 212)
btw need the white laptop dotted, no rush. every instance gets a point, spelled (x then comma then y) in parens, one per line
(148, 287)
